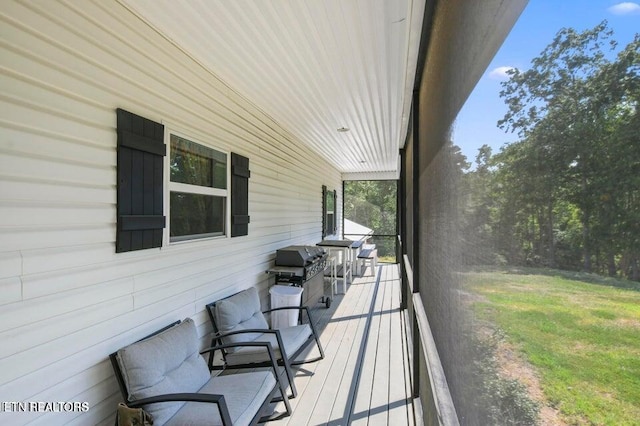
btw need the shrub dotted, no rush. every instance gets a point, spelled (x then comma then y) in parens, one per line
(497, 400)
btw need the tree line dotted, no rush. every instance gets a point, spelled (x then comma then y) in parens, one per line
(373, 204)
(567, 193)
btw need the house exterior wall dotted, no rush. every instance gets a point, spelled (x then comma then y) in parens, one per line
(67, 299)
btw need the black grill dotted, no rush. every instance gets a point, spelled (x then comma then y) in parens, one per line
(307, 260)
(302, 266)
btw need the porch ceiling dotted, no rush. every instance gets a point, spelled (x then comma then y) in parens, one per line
(314, 66)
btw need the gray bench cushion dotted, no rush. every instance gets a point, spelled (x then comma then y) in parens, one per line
(366, 254)
(168, 362)
(244, 394)
(240, 312)
(292, 337)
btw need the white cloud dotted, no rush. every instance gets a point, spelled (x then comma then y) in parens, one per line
(626, 8)
(500, 73)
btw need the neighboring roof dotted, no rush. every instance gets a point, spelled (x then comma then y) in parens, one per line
(355, 229)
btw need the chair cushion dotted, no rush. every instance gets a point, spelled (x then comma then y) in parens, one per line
(240, 312)
(168, 362)
(292, 338)
(244, 394)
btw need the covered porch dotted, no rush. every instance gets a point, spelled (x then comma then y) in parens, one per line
(288, 100)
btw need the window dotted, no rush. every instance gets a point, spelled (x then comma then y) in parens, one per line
(198, 195)
(203, 192)
(329, 212)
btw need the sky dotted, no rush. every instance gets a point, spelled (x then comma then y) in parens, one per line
(476, 124)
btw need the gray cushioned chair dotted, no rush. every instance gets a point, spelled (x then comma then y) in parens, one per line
(167, 376)
(238, 318)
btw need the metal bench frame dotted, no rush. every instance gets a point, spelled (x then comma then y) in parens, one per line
(286, 360)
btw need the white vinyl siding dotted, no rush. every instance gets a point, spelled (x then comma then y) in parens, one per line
(67, 299)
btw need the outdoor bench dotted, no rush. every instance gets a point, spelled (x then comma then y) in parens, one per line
(369, 255)
(166, 375)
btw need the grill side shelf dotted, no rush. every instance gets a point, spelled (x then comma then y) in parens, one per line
(291, 271)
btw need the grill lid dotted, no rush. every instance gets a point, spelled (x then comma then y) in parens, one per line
(299, 255)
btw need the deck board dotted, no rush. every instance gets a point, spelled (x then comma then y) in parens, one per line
(333, 346)
(362, 379)
(378, 410)
(398, 401)
(343, 367)
(360, 411)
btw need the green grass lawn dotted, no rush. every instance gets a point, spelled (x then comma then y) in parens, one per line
(583, 338)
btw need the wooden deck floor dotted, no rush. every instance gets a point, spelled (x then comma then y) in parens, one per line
(364, 378)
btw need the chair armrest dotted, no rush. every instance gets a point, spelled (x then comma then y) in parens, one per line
(249, 330)
(235, 345)
(272, 356)
(267, 345)
(300, 308)
(218, 336)
(188, 397)
(283, 308)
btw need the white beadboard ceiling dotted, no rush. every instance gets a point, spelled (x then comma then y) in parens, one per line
(313, 65)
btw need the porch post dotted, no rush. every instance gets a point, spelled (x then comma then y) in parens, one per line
(342, 214)
(415, 218)
(401, 226)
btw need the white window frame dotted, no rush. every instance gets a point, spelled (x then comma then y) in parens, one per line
(170, 186)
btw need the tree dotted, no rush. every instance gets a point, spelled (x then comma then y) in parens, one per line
(373, 204)
(576, 112)
(478, 193)
(618, 220)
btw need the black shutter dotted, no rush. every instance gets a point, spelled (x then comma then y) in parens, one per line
(324, 211)
(240, 175)
(141, 150)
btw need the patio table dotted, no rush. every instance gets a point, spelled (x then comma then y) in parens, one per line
(344, 247)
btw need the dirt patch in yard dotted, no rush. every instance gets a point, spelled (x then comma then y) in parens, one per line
(628, 322)
(512, 366)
